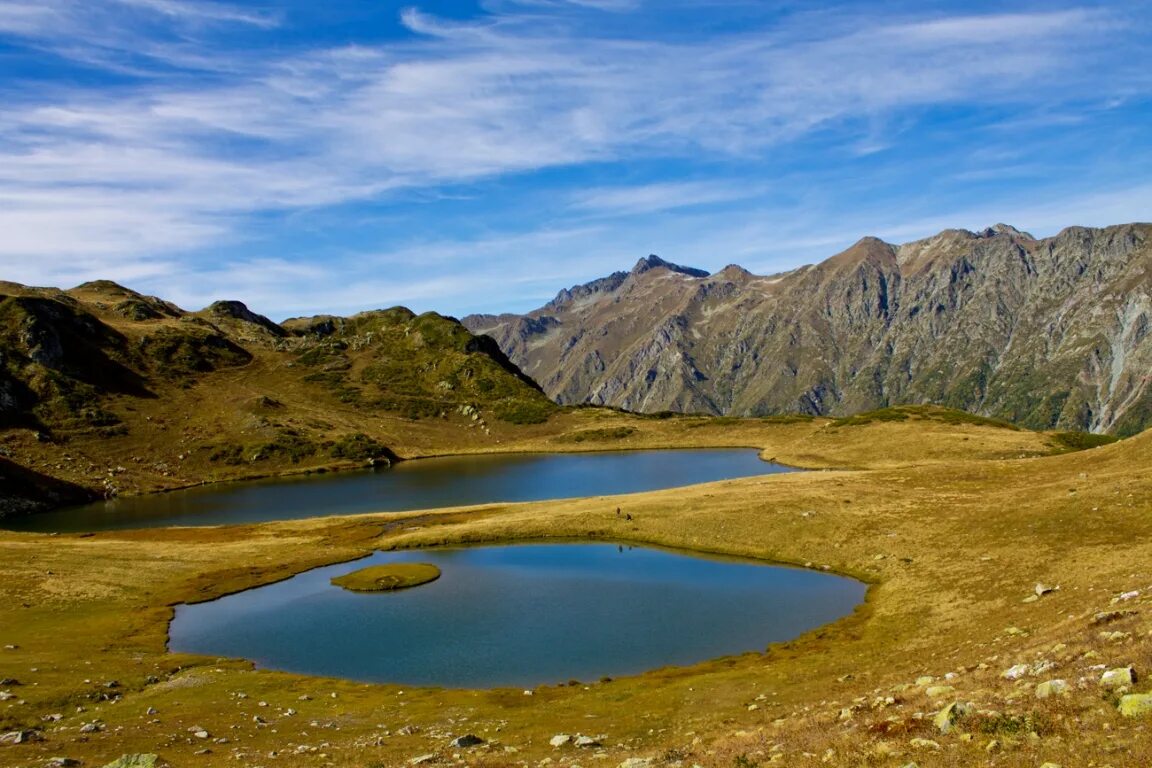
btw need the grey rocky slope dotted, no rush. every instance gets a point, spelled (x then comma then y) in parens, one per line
(1045, 333)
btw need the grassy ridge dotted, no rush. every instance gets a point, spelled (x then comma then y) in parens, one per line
(115, 392)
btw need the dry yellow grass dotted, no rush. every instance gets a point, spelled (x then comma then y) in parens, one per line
(388, 578)
(952, 524)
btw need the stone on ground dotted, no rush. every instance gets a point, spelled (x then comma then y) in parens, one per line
(1115, 678)
(136, 761)
(1136, 705)
(1051, 688)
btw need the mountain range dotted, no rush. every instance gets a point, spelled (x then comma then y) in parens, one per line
(1045, 333)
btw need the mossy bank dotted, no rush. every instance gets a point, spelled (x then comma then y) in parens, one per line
(387, 578)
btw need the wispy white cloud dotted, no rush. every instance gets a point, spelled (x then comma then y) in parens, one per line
(59, 18)
(135, 174)
(614, 6)
(662, 196)
(25, 18)
(447, 275)
(1000, 27)
(201, 11)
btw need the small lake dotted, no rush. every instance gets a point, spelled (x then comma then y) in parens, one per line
(518, 615)
(409, 485)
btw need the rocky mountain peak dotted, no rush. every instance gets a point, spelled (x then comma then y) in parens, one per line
(237, 310)
(865, 250)
(652, 261)
(584, 292)
(1004, 229)
(105, 287)
(733, 272)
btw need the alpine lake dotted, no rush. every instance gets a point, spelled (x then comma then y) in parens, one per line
(509, 615)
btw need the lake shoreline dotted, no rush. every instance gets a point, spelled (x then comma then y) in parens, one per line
(433, 482)
(614, 603)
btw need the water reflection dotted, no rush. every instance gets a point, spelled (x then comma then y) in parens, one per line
(519, 616)
(423, 484)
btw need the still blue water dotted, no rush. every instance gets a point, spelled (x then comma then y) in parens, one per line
(422, 484)
(518, 616)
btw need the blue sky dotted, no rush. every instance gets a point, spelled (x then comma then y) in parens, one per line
(311, 157)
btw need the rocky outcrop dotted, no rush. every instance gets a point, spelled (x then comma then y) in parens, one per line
(242, 320)
(23, 491)
(1045, 333)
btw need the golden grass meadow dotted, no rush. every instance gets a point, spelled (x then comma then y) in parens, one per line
(952, 521)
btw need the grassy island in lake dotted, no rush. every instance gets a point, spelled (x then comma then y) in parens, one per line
(388, 578)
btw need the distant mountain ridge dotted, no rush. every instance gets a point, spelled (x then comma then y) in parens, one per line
(1046, 333)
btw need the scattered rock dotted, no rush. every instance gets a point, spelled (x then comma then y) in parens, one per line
(586, 742)
(560, 740)
(1115, 678)
(1050, 765)
(92, 727)
(1115, 637)
(137, 761)
(61, 762)
(1016, 672)
(936, 691)
(21, 737)
(636, 762)
(1042, 589)
(467, 740)
(422, 759)
(1107, 617)
(947, 718)
(1136, 705)
(924, 744)
(1052, 688)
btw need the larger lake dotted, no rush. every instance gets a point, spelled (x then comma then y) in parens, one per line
(423, 484)
(518, 616)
